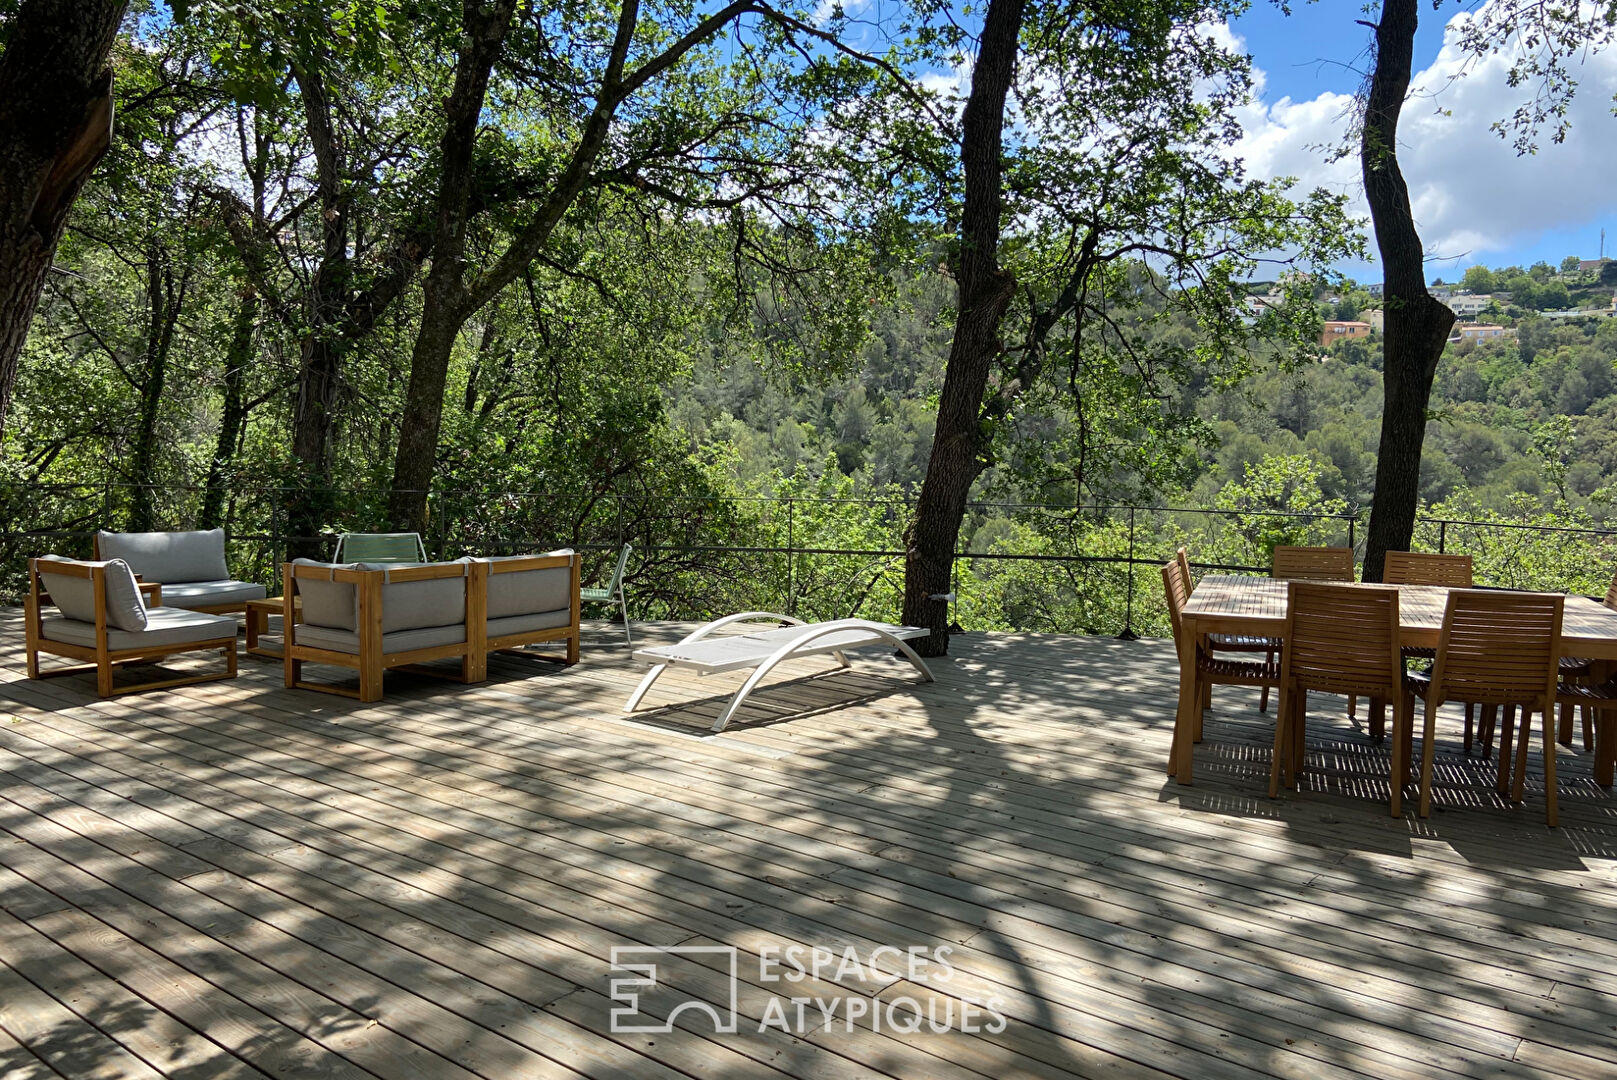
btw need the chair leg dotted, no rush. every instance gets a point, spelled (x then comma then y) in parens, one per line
(1507, 745)
(1282, 751)
(1428, 752)
(1490, 715)
(1400, 759)
(1468, 707)
(1353, 707)
(103, 678)
(1518, 786)
(628, 635)
(1263, 700)
(1299, 736)
(1564, 736)
(1378, 718)
(1587, 714)
(1552, 813)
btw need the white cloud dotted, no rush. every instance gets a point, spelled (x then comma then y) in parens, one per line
(1470, 190)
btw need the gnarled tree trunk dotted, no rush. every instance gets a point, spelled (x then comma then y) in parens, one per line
(55, 123)
(1417, 325)
(985, 292)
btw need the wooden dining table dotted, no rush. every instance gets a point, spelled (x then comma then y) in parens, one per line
(1256, 607)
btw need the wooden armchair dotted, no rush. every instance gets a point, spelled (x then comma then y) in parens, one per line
(376, 620)
(85, 630)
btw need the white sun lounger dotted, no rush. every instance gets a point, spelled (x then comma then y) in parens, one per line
(764, 649)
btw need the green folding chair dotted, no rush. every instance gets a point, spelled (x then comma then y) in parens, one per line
(380, 548)
(613, 594)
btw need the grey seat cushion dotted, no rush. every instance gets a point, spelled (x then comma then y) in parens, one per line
(164, 626)
(529, 592)
(168, 556)
(195, 594)
(347, 641)
(527, 624)
(74, 597)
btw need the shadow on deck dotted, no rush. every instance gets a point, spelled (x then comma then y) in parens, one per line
(235, 879)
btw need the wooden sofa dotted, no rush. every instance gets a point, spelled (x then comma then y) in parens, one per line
(190, 566)
(372, 619)
(84, 630)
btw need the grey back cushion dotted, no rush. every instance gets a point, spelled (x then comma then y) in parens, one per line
(329, 603)
(417, 605)
(406, 605)
(169, 556)
(529, 592)
(74, 597)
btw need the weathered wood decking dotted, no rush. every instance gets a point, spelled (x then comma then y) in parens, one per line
(236, 880)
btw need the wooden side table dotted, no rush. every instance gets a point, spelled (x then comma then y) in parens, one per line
(258, 613)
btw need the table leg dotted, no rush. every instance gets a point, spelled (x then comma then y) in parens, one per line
(1190, 697)
(254, 627)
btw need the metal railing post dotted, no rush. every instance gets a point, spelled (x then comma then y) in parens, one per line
(791, 587)
(1442, 537)
(1128, 633)
(1353, 524)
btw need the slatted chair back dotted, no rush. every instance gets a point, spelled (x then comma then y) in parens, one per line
(1499, 648)
(1182, 557)
(1424, 568)
(1342, 639)
(1176, 589)
(1312, 564)
(380, 548)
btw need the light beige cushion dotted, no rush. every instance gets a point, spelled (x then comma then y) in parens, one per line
(164, 626)
(74, 597)
(168, 556)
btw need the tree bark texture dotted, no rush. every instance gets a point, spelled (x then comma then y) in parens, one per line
(164, 297)
(1417, 325)
(233, 418)
(985, 292)
(55, 123)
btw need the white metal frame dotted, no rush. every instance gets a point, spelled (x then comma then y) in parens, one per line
(764, 662)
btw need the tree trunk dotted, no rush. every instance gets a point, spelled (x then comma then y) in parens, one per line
(446, 304)
(163, 312)
(234, 416)
(1417, 325)
(985, 292)
(55, 123)
(417, 456)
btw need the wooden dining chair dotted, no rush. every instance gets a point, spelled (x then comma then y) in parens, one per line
(1312, 564)
(1213, 670)
(1501, 649)
(1577, 670)
(1316, 564)
(1233, 643)
(1426, 568)
(1339, 639)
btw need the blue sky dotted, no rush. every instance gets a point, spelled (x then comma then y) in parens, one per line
(1476, 200)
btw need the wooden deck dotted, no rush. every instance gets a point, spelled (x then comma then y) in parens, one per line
(236, 880)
